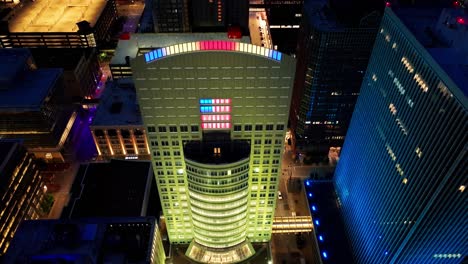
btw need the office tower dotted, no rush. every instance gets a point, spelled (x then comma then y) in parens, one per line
(333, 51)
(401, 177)
(32, 106)
(20, 189)
(116, 240)
(172, 16)
(284, 18)
(117, 127)
(53, 24)
(137, 44)
(217, 15)
(216, 114)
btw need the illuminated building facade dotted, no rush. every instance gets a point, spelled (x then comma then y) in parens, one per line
(32, 106)
(20, 188)
(401, 177)
(53, 24)
(88, 240)
(333, 52)
(216, 115)
(117, 127)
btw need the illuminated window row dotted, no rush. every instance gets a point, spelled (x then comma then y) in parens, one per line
(217, 221)
(227, 206)
(210, 101)
(221, 228)
(215, 109)
(215, 117)
(422, 84)
(212, 45)
(407, 64)
(216, 125)
(221, 234)
(219, 214)
(392, 109)
(225, 198)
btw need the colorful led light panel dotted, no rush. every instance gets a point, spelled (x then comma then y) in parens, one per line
(215, 109)
(212, 45)
(216, 125)
(210, 101)
(215, 118)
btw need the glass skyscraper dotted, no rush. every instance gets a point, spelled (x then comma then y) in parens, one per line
(216, 114)
(402, 174)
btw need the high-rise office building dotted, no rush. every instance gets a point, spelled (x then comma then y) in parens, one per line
(333, 51)
(21, 189)
(284, 19)
(172, 16)
(216, 114)
(402, 174)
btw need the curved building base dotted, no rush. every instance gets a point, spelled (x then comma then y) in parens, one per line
(235, 254)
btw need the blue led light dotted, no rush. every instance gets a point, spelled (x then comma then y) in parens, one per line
(279, 56)
(270, 54)
(314, 208)
(307, 183)
(159, 53)
(206, 101)
(324, 254)
(310, 194)
(275, 55)
(386, 253)
(155, 54)
(151, 56)
(320, 238)
(147, 57)
(317, 222)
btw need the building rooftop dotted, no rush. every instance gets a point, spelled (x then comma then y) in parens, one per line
(229, 151)
(54, 15)
(149, 41)
(12, 61)
(20, 86)
(444, 34)
(30, 91)
(118, 105)
(328, 223)
(112, 189)
(337, 15)
(92, 240)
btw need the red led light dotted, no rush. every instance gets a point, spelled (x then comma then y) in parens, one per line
(388, 4)
(461, 20)
(217, 45)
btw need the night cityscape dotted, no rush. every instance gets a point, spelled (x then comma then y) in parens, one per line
(233, 131)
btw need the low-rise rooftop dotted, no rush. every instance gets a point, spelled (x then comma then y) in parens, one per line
(92, 240)
(118, 106)
(149, 41)
(20, 86)
(112, 189)
(54, 15)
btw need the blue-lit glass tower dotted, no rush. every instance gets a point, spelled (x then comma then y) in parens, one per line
(403, 170)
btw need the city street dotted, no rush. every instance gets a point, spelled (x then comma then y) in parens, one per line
(79, 148)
